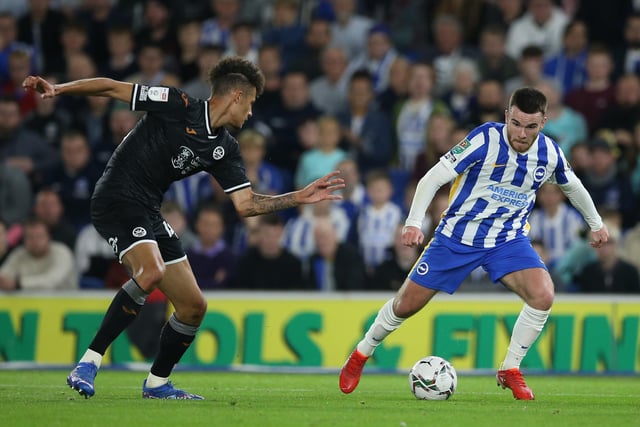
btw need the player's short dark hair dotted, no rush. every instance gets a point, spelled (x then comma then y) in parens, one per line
(529, 100)
(234, 72)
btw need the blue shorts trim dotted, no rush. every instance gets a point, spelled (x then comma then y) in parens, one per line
(444, 264)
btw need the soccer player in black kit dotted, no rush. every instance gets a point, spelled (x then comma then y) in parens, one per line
(177, 137)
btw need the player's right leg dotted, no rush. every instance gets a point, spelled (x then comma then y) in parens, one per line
(145, 261)
(410, 299)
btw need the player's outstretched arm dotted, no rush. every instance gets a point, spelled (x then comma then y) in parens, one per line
(248, 203)
(98, 86)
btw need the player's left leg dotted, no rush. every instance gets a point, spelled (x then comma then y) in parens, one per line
(535, 287)
(181, 288)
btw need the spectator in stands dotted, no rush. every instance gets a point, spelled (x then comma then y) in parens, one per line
(461, 98)
(121, 62)
(610, 273)
(20, 147)
(530, 67)
(94, 120)
(285, 30)
(626, 55)
(556, 224)
(121, 121)
(15, 194)
(378, 220)
(624, 114)
(269, 265)
(565, 125)
(39, 263)
(294, 108)
(265, 178)
(47, 120)
(94, 258)
(376, 58)
(74, 40)
(398, 88)
(270, 63)
(542, 25)
(9, 43)
(390, 275)
(329, 91)
(568, 67)
(158, 28)
(493, 61)
(41, 27)
(324, 158)
(353, 194)
(414, 113)
(437, 142)
(609, 187)
(49, 209)
(242, 42)
(316, 40)
(19, 68)
(349, 30)
(208, 57)
(5, 248)
(152, 60)
(335, 265)
(212, 261)
(216, 30)
(189, 32)
(299, 238)
(447, 50)
(75, 178)
(598, 92)
(490, 103)
(366, 130)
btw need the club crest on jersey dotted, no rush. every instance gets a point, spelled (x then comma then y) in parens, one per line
(422, 268)
(539, 173)
(183, 158)
(218, 153)
(139, 232)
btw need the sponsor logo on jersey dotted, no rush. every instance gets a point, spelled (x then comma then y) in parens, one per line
(159, 94)
(183, 158)
(190, 131)
(461, 146)
(144, 90)
(184, 99)
(509, 197)
(113, 242)
(139, 232)
(218, 153)
(422, 268)
(539, 173)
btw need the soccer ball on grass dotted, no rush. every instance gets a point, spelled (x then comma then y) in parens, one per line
(433, 378)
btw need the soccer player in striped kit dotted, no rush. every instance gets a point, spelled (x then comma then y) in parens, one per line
(497, 170)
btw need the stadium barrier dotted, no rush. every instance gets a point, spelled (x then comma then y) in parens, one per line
(586, 334)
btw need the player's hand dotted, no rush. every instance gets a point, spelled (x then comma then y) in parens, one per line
(599, 237)
(40, 85)
(412, 236)
(321, 189)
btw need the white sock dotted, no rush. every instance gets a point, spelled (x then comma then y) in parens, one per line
(92, 356)
(385, 322)
(154, 381)
(525, 332)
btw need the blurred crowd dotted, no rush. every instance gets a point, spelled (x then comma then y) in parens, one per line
(377, 89)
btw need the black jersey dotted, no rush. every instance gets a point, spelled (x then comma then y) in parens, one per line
(173, 140)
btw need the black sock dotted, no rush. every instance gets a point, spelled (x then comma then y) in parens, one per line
(122, 311)
(173, 344)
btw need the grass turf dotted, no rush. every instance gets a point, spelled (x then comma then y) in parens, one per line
(42, 398)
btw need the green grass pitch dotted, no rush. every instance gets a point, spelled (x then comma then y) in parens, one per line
(42, 398)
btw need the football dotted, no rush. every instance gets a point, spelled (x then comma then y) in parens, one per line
(433, 378)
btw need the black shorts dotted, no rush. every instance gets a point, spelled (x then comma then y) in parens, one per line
(126, 224)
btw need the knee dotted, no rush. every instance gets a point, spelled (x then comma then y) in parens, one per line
(405, 307)
(193, 313)
(149, 276)
(543, 301)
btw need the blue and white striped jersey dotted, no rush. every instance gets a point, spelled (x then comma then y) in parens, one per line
(495, 190)
(557, 233)
(377, 231)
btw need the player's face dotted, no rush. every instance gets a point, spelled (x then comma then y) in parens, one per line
(241, 108)
(523, 128)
